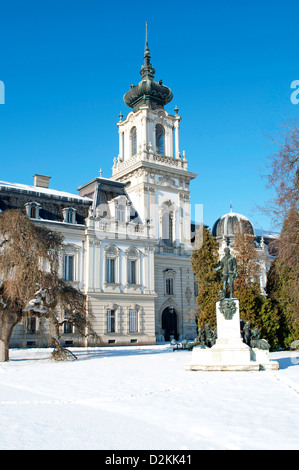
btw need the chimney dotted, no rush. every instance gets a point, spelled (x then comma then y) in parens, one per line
(41, 180)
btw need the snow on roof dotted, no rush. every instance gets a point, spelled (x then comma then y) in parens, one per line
(41, 190)
(266, 233)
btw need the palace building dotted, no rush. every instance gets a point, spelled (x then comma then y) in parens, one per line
(127, 239)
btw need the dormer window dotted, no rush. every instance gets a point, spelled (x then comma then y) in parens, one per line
(69, 215)
(33, 209)
(33, 212)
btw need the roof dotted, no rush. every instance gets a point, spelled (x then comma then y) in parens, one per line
(4, 185)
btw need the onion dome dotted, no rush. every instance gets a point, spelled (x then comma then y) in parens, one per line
(148, 92)
(227, 224)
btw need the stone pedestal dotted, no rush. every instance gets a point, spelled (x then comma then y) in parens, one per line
(229, 352)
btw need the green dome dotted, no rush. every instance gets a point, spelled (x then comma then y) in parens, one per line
(148, 92)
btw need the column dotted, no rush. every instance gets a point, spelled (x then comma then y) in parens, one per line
(121, 145)
(177, 148)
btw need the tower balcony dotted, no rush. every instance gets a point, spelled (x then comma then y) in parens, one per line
(147, 155)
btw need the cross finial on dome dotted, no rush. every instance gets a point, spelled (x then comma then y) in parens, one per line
(231, 207)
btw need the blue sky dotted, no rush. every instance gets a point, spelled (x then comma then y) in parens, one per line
(66, 65)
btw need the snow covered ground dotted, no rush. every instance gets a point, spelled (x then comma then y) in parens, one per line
(142, 398)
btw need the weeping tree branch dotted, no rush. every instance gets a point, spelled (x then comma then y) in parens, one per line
(30, 284)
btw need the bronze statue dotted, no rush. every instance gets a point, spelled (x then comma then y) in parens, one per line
(228, 265)
(251, 337)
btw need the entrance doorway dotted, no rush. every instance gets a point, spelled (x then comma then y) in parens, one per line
(169, 323)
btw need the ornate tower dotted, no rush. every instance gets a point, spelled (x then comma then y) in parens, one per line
(150, 161)
(157, 181)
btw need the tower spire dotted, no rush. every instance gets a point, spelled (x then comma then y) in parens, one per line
(146, 37)
(147, 70)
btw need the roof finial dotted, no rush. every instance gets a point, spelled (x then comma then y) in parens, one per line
(231, 207)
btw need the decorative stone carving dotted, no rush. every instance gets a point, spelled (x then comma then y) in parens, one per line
(228, 308)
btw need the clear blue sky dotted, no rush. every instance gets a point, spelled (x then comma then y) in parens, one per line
(66, 65)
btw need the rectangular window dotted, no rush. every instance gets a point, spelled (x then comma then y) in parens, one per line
(69, 270)
(169, 286)
(133, 321)
(110, 270)
(110, 321)
(132, 272)
(31, 325)
(67, 326)
(120, 213)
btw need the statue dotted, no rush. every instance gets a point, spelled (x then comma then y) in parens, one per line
(256, 342)
(246, 333)
(228, 265)
(200, 340)
(206, 338)
(210, 336)
(251, 337)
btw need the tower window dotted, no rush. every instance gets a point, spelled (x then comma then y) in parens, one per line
(167, 228)
(134, 140)
(160, 139)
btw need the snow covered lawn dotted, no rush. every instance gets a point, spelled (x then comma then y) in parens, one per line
(142, 398)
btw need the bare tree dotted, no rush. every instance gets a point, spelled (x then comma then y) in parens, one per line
(29, 280)
(283, 178)
(246, 254)
(283, 173)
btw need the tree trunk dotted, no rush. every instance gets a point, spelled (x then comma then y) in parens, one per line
(6, 332)
(4, 351)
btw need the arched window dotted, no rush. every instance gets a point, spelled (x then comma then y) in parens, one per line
(133, 266)
(134, 141)
(33, 212)
(160, 139)
(112, 265)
